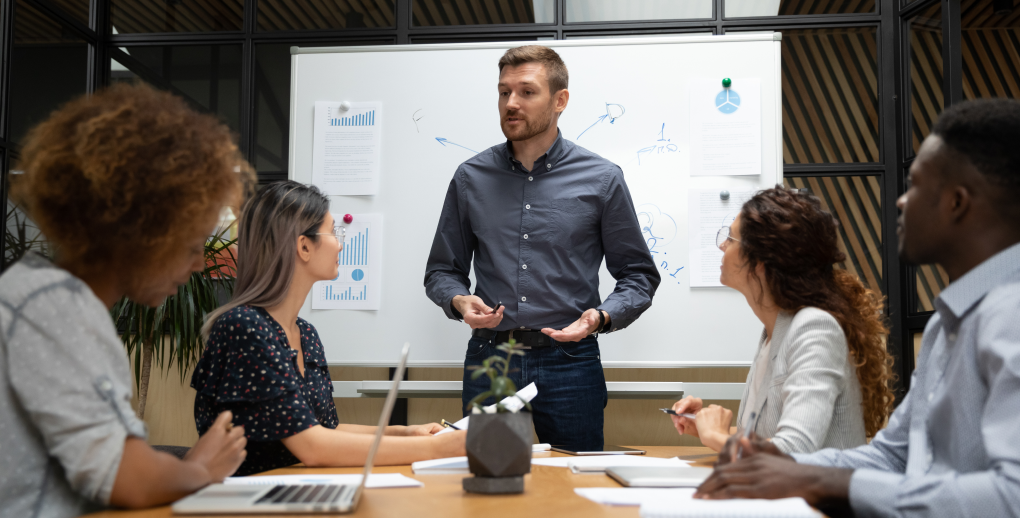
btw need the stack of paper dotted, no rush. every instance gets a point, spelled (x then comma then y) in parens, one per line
(513, 403)
(599, 463)
(447, 466)
(375, 480)
(737, 508)
(634, 495)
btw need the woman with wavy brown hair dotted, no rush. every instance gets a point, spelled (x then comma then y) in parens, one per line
(127, 185)
(820, 376)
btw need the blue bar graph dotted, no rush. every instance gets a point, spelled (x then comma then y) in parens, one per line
(355, 252)
(363, 119)
(347, 294)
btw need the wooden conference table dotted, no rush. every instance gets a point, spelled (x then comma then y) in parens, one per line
(548, 492)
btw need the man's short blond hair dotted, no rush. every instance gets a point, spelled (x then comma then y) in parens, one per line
(555, 69)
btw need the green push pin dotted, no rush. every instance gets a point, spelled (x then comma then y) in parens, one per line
(726, 82)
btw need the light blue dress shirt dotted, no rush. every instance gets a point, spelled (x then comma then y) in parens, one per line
(952, 447)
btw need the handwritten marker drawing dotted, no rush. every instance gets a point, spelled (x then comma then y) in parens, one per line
(444, 142)
(613, 111)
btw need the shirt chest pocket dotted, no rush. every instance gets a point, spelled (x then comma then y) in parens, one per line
(573, 222)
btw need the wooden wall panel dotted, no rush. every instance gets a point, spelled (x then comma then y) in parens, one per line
(856, 201)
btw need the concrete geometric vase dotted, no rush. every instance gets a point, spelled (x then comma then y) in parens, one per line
(499, 452)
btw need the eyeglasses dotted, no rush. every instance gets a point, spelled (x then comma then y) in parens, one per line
(340, 233)
(723, 236)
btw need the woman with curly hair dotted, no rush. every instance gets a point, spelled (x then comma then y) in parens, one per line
(820, 376)
(126, 184)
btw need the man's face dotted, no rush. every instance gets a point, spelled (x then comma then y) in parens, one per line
(526, 106)
(921, 227)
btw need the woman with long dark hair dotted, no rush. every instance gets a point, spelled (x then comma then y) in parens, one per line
(820, 376)
(267, 365)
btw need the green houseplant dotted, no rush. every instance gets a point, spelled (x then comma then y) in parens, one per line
(171, 332)
(148, 332)
(499, 437)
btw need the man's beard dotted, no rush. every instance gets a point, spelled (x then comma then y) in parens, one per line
(530, 128)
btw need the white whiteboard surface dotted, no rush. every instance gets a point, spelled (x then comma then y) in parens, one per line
(432, 92)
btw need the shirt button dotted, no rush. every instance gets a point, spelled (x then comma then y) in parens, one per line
(548, 166)
(512, 168)
(524, 267)
(525, 236)
(524, 299)
(530, 178)
(527, 207)
(931, 395)
(952, 336)
(522, 327)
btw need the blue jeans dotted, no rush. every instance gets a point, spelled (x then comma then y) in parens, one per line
(571, 388)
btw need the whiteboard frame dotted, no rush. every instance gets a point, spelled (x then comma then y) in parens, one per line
(594, 42)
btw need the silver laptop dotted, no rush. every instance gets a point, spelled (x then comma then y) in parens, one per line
(654, 476)
(293, 498)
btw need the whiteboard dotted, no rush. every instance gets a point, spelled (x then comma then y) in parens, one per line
(433, 92)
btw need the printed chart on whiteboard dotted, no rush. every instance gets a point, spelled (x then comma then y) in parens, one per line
(347, 147)
(358, 283)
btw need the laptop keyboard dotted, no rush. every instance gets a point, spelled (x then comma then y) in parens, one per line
(307, 494)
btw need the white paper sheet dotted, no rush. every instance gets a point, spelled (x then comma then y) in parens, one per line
(527, 393)
(597, 463)
(358, 284)
(347, 148)
(707, 213)
(447, 466)
(725, 127)
(782, 508)
(634, 495)
(375, 480)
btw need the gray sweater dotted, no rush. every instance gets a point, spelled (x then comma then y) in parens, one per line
(65, 409)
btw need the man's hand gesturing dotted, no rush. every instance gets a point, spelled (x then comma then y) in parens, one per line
(476, 314)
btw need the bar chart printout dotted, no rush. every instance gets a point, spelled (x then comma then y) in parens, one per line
(347, 147)
(358, 281)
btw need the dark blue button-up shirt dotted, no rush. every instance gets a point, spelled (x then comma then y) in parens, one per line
(538, 238)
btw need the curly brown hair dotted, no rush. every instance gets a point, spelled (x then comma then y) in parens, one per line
(788, 232)
(125, 175)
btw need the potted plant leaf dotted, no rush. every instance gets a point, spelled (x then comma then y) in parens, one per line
(499, 438)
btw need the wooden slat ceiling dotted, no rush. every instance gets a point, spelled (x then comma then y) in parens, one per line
(427, 13)
(144, 16)
(793, 7)
(277, 15)
(32, 27)
(856, 201)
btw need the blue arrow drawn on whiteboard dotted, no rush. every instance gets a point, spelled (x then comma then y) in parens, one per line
(602, 118)
(444, 142)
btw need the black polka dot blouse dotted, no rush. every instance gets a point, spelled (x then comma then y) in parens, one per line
(249, 369)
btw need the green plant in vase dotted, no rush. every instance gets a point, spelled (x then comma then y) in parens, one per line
(499, 438)
(501, 386)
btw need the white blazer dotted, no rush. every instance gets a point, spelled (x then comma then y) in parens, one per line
(812, 397)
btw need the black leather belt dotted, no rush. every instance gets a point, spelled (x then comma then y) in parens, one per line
(528, 338)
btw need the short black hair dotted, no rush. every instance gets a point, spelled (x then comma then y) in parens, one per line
(986, 132)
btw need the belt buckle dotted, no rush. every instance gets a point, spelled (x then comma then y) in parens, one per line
(523, 347)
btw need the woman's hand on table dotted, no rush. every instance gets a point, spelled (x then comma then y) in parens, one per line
(422, 429)
(713, 426)
(450, 444)
(687, 405)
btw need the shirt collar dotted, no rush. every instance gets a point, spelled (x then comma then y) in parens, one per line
(968, 290)
(551, 156)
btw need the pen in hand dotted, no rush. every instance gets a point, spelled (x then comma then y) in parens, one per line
(495, 309)
(447, 424)
(670, 411)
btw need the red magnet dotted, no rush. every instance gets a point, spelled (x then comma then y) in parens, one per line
(348, 218)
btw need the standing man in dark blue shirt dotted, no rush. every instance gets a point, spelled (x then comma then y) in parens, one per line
(537, 214)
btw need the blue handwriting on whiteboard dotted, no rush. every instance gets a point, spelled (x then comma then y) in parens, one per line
(609, 115)
(444, 142)
(658, 148)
